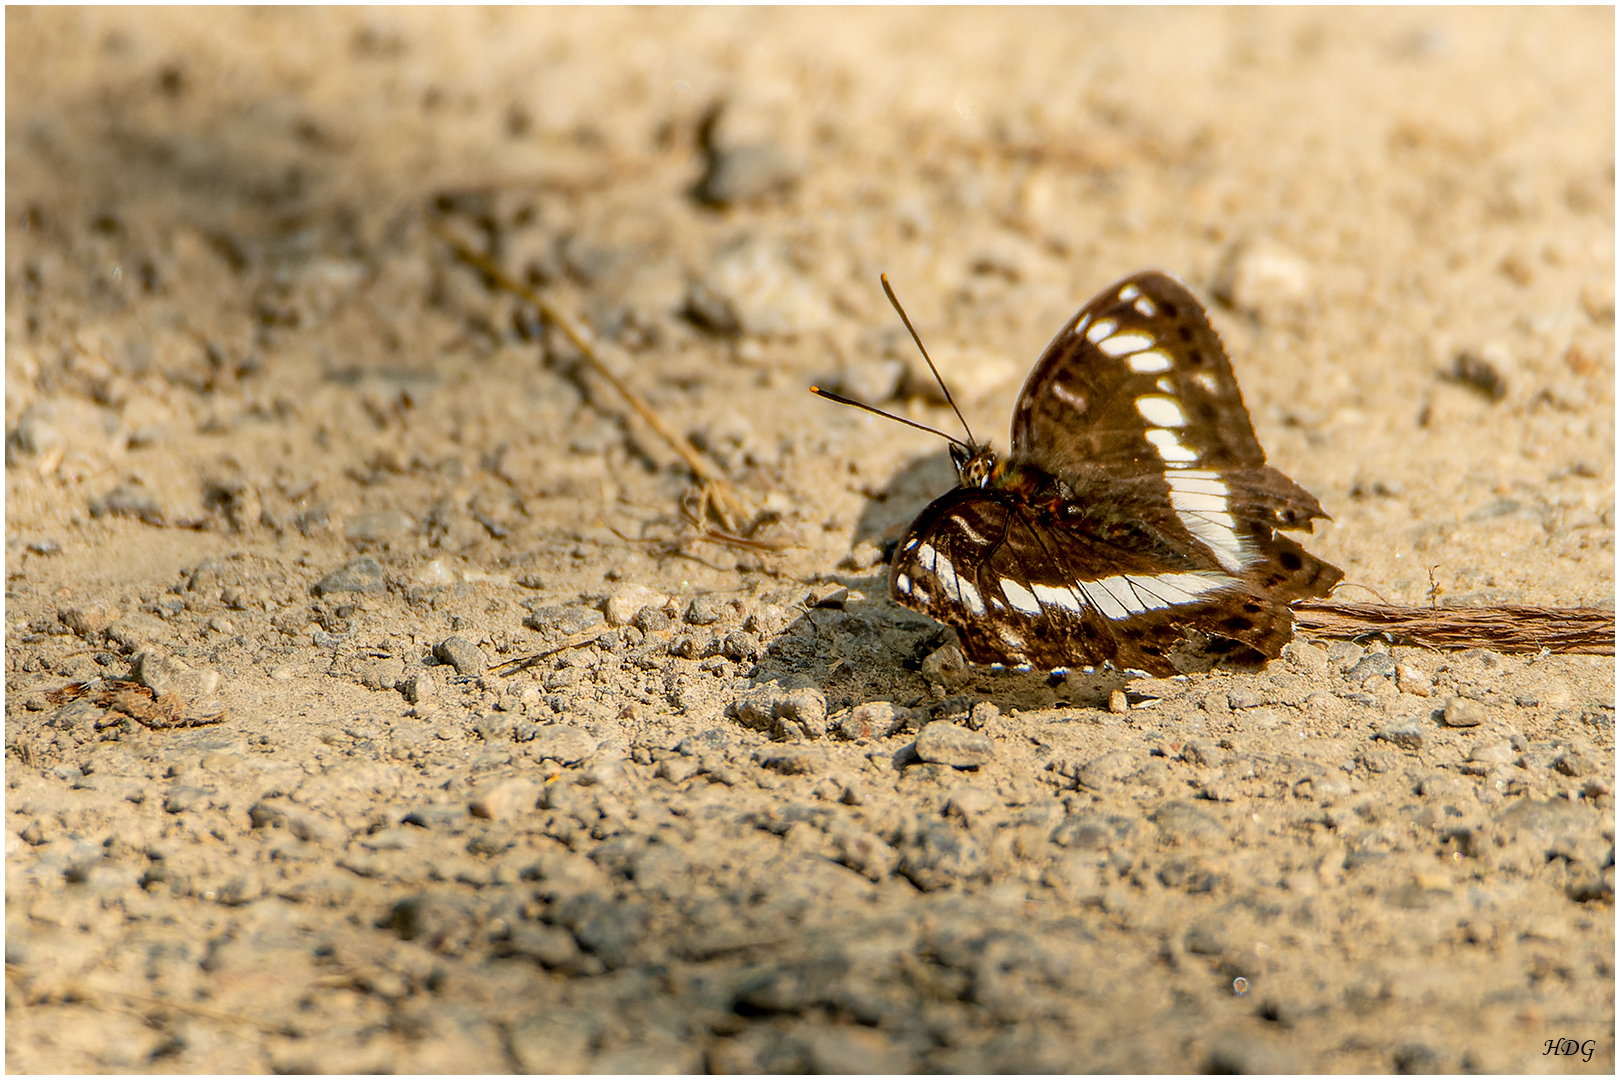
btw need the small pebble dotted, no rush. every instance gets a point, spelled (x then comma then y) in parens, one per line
(1573, 764)
(462, 655)
(1118, 703)
(379, 526)
(792, 760)
(873, 720)
(505, 799)
(622, 607)
(865, 555)
(562, 743)
(1411, 679)
(740, 645)
(705, 610)
(164, 674)
(653, 619)
(828, 594)
(90, 618)
(1461, 712)
(1404, 736)
(950, 744)
(418, 687)
(748, 172)
(1244, 697)
(183, 798)
(1492, 753)
(563, 621)
(1372, 666)
(363, 575)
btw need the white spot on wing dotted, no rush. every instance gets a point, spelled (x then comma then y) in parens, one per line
(969, 531)
(1020, 598)
(1101, 330)
(1105, 600)
(1169, 589)
(1058, 596)
(970, 596)
(902, 583)
(1006, 634)
(1219, 532)
(1067, 396)
(1149, 362)
(947, 576)
(1129, 292)
(1146, 307)
(912, 543)
(925, 557)
(1162, 411)
(1171, 448)
(1127, 341)
(1206, 380)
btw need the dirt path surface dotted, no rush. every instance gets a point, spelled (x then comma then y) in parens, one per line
(287, 479)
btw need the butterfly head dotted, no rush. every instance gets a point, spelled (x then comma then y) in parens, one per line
(975, 464)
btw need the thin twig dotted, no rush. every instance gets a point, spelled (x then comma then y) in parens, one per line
(523, 663)
(727, 506)
(1505, 628)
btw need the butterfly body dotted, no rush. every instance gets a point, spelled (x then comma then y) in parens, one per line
(1135, 517)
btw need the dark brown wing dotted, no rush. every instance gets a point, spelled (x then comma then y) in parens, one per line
(1026, 586)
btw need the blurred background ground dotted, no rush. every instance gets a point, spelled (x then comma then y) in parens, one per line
(238, 360)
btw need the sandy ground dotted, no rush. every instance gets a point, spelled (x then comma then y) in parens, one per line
(273, 454)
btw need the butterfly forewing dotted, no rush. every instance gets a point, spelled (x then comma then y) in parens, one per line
(1138, 379)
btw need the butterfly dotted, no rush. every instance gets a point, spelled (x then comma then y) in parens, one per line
(1135, 523)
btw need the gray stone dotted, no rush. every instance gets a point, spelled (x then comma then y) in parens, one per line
(462, 655)
(419, 686)
(782, 713)
(363, 575)
(748, 172)
(562, 743)
(1242, 697)
(127, 500)
(1372, 666)
(1404, 736)
(164, 674)
(1107, 772)
(184, 797)
(379, 526)
(89, 618)
(945, 666)
(705, 610)
(792, 760)
(1496, 752)
(950, 744)
(565, 621)
(1461, 712)
(873, 720)
(740, 646)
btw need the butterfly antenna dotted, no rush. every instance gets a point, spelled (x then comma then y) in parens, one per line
(889, 292)
(840, 399)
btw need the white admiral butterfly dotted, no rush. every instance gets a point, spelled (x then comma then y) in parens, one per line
(1134, 523)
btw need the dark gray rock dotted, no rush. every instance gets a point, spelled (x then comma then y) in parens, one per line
(462, 655)
(363, 575)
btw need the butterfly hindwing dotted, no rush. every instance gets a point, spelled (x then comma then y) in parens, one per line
(1027, 589)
